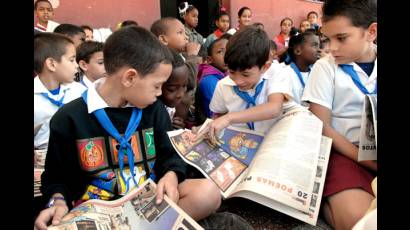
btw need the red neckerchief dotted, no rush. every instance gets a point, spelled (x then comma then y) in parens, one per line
(218, 33)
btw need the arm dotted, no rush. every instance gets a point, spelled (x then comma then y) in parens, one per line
(340, 143)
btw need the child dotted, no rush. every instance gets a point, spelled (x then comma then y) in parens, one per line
(303, 52)
(324, 49)
(175, 88)
(120, 116)
(190, 15)
(43, 11)
(72, 31)
(336, 92)
(312, 17)
(282, 39)
(247, 58)
(91, 62)
(211, 74)
(304, 25)
(89, 34)
(54, 86)
(244, 19)
(222, 23)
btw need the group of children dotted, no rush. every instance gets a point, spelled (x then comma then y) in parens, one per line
(99, 103)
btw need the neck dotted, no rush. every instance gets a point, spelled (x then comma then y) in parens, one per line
(43, 23)
(90, 78)
(302, 66)
(190, 28)
(368, 56)
(48, 81)
(284, 35)
(110, 91)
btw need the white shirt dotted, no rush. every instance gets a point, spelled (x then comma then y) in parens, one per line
(171, 111)
(44, 109)
(87, 81)
(296, 85)
(226, 100)
(331, 87)
(51, 25)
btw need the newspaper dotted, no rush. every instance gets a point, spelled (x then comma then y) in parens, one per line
(278, 170)
(136, 210)
(368, 130)
(39, 161)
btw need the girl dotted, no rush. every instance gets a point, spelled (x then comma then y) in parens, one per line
(190, 15)
(282, 39)
(244, 19)
(303, 52)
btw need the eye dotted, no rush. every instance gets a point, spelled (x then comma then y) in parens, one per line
(341, 39)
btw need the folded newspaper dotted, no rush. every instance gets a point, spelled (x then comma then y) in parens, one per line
(284, 170)
(368, 129)
(39, 161)
(136, 210)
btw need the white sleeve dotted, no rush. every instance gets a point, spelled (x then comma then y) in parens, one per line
(320, 86)
(217, 104)
(280, 83)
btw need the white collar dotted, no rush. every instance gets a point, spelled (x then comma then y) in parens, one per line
(87, 81)
(40, 88)
(230, 82)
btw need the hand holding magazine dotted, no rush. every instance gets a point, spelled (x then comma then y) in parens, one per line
(284, 170)
(136, 210)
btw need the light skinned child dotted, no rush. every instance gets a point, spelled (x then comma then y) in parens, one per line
(304, 25)
(89, 32)
(190, 15)
(72, 31)
(54, 86)
(312, 17)
(125, 102)
(222, 23)
(303, 51)
(90, 59)
(44, 12)
(248, 98)
(336, 91)
(175, 88)
(244, 19)
(211, 74)
(283, 37)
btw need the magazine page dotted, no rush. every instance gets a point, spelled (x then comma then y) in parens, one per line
(368, 130)
(285, 166)
(136, 210)
(224, 164)
(312, 214)
(39, 161)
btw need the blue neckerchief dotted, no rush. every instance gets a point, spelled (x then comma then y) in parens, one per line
(58, 103)
(251, 101)
(55, 91)
(352, 73)
(297, 71)
(82, 82)
(125, 146)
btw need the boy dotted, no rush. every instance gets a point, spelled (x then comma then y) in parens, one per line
(54, 61)
(248, 94)
(312, 17)
(72, 31)
(336, 91)
(86, 151)
(91, 62)
(222, 24)
(43, 11)
(89, 32)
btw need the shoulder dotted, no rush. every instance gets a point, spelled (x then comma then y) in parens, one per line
(70, 111)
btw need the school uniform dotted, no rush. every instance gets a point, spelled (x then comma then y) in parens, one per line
(83, 160)
(86, 82)
(225, 99)
(295, 81)
(51, 25)
(194, 36)
(44, 109)
(333, 88)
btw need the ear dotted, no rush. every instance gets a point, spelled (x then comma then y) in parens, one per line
(209, 59)
(83, 65)
(130, 77)
(50, 63)
(163, 39)
(297, 50)
(372, 31)
(266, 66)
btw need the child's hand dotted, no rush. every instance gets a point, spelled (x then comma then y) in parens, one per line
(168, 185)
(192, 48)
(213, 128)
(54, 214)
(178, 123)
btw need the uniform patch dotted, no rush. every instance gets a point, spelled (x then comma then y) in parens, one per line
(149, 143)
(135, 145)
(126, 185)
(92, 154)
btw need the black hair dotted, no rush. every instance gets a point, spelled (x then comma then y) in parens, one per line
(247, 48)
(86, 27)
(211, 46)
(312, 12)
(161, 26)
(87, 49)
(311, 30)
(129, 23)
(294, 31)
(38, 1)
(295, 41)
(241, 10)
(134, 47)
(284, 19)
(49, 45)
(273, 45)
(259, 24)
(203, 52)
(361, 13)
(220, 14)
(68, 29)
(177, 60)
(183, 11)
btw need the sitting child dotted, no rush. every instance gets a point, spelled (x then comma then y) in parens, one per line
(91, 62)
(222, 24)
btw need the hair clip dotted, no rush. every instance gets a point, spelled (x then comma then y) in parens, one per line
(183, 10)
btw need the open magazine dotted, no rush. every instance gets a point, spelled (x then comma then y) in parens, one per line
(284, 170)
(39, 161)
(136, 210)
(368, 130)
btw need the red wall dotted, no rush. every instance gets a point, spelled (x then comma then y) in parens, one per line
(107, 13)
(271, 12)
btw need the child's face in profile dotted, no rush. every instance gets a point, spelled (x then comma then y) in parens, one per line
(285, 27)
(273, 55)
(310, 49)
(78, 39)
(247, 79)
(175, 88)
(66, 68)
(94, 69)
(217, 55)
(176, 37)
(44, 12)
(245, 18)
(348, 43)
(223, 23)
(191, 18)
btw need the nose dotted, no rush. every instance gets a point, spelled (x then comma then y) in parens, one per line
(333, 46)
